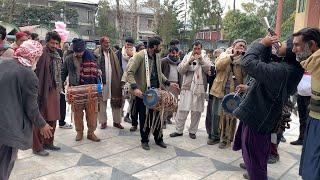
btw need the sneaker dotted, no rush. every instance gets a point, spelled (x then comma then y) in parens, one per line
(273, 159)
(66, 126)
(41, 153)
(297, 142)
(169, 121)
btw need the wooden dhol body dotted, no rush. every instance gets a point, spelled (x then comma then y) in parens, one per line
(84, 93)
(157, 99)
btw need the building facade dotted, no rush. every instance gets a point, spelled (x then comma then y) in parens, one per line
(86, 10)
(307, 14)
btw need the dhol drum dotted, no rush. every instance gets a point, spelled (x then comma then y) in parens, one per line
(230, 102)
(157, 99)
(84, 93)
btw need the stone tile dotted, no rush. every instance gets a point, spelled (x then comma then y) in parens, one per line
(119, 175)
(286, 162)
(70, 140)
(184, 153)
(106, 147)
(223, 155)
(25, 154)
(89, 161)
(38, 166)
(292, 174)
(185, 142)
(138, 159)
(225, 175)
(187, 168)
(81, 173)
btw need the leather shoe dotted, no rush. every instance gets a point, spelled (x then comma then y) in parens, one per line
(118, 125)
(175, 134)
(145, 146)
(192, 136)
(133, 128)
(161, 144)
(79, 136)
(93, 137)
(41, 153)
(51, 147)
(103, 126)
(213, 141)
(297, 142)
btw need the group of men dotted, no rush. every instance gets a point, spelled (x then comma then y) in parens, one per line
(265, 75)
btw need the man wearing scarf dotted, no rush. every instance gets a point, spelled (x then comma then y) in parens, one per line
(306, 45)
(169, 66)
(82, 69)
(109, 64)
(229, 74)
(48, 71)
(137, 78)
(195, 67)
(19, 89)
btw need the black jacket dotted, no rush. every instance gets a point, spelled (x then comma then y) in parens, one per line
(273, 84)
(18, 105)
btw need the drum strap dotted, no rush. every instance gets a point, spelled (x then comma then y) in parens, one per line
(146, 62)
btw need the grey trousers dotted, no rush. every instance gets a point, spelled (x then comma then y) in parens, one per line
(8, 156)
(181, 120)
(102, 115)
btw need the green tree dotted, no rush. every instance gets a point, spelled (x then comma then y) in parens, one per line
(242, 25)
(104, 26)
(169, 24)
(205, 13)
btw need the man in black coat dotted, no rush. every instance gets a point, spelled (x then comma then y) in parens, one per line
(261, 108)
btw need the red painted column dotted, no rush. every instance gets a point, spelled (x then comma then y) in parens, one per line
(279, 17)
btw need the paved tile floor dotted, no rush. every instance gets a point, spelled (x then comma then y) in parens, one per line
(119, 156)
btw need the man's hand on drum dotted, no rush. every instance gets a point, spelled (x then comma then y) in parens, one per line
(242, 88)
(175, 86)
(137, 92)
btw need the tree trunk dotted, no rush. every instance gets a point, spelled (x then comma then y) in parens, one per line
(234, 5)
(135, 20)
(279, 17)
(11, 13)
(119, 18)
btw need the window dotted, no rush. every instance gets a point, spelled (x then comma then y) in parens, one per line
(89, 16)
(301, 6)
(150, 23)
(88, 32)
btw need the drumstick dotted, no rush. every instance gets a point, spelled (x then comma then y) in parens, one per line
(237, 92)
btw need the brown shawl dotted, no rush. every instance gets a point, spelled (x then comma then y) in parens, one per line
(46, 81)
(116, 92)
